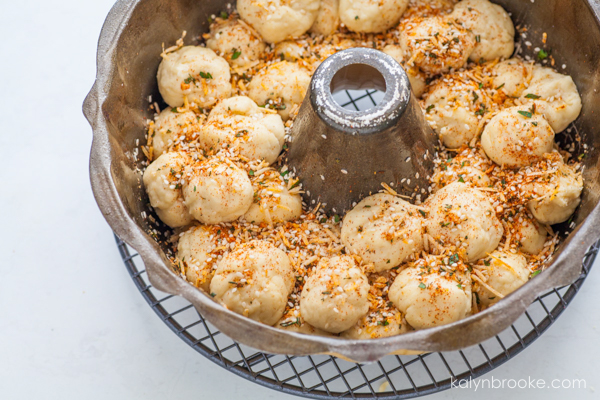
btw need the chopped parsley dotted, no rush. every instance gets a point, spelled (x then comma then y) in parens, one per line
(533, 96)
(189, 79)
(205, 75)
(542, 54)
(422, 285)
(236, 54)
(526, 114)
(290, 323)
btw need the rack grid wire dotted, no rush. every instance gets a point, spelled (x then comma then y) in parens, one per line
(327, 377)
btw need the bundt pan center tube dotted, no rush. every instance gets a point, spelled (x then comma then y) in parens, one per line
(342, 156)
(117, 107)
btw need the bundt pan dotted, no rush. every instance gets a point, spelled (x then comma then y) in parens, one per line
(117, 106)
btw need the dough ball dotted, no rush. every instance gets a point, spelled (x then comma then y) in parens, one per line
(236, 42)
(194, 251)
(371, 16)
(277, 20)
(380, 327)
(196, 73)
(328, 18)
(239, 123)
(280, 86)
(450, 110)
(216, 190)
(321, 51)
(463, 173)
(462, 216)
(383, 230)
(171, 127)
(436, 44)
(428, 300)
(492, 26)
(559, 100)
(517, 137)
(417, 79)
(556, 200)
(163, 180)
(474, 176)
(255, 281)
(273, 201)
(289, 51)
(334, 296)
(506, 273)
(511, 76)
(530, 235)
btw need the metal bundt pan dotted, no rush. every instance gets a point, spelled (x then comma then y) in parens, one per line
(117, 105)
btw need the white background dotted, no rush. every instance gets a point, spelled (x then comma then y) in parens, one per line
(72, 324)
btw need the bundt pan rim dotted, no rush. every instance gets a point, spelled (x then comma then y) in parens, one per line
(114, 107)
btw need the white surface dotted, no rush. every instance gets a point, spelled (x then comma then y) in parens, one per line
(72, 324)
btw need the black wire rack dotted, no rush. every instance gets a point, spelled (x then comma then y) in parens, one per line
(327, 377)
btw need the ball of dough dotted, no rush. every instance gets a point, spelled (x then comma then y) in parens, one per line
(194, 251)
(163, 180)
(236, 42)
(290, 51)
(383, 230)
(556, 200)
(277, 20)
(273, 201)
(436, 44)
(320, 52)
(328, 18)
(506, 273)
(511, 76)
(428, 300)
(334, 296)
(196, 73)
(462, 216)
(380, 327)
(450, 110)
(238, 122)
(517, 137)
(216, 190)
(492, 26)
(171, 127)
(280, 86)
(559, 100)
(255, 281)
(371, 16)
(462, 173)
(530, 235)
(417, 79)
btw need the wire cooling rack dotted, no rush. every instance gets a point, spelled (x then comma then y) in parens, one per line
(327, 377)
